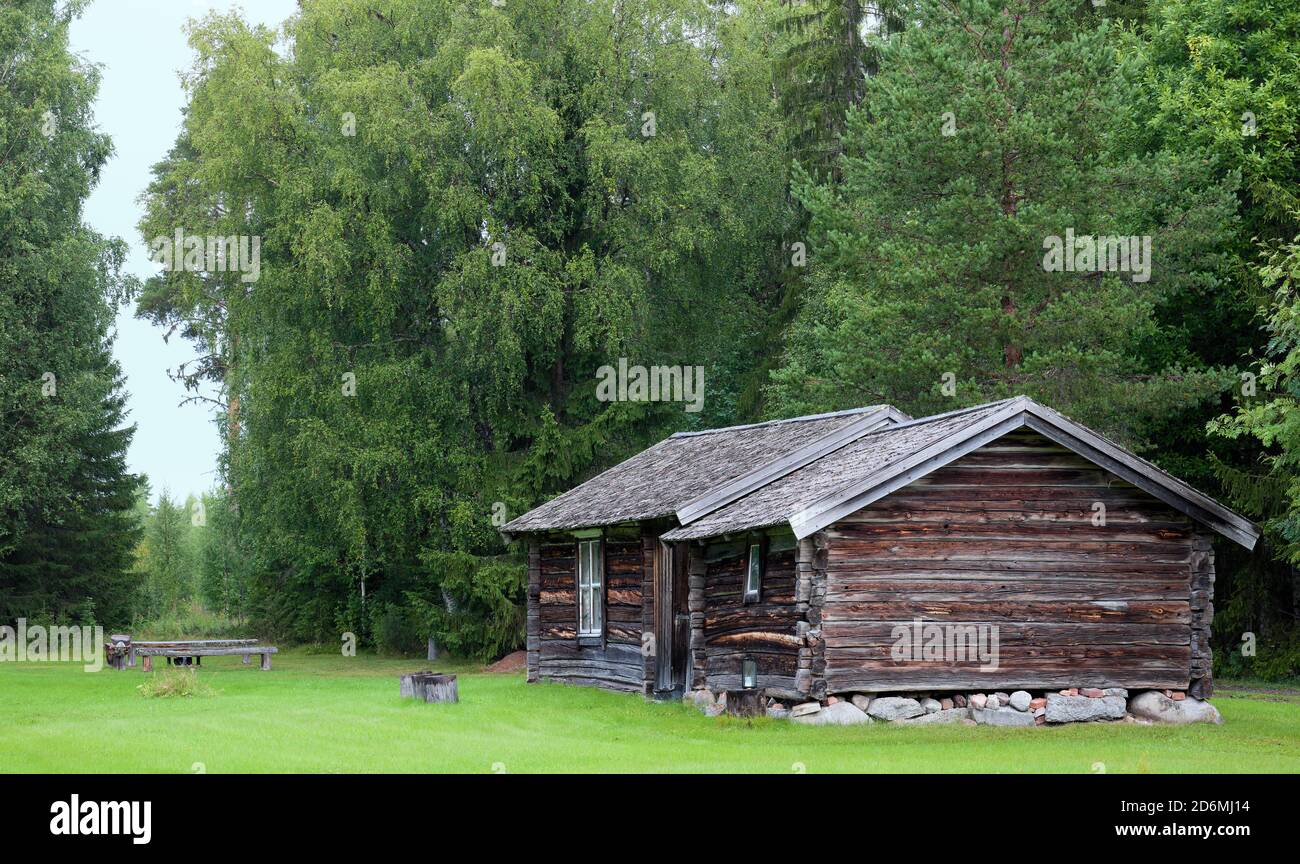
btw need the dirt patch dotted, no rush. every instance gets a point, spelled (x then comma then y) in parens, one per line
(515, 662)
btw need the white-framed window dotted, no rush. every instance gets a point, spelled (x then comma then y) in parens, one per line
(754, 574)
(591, 589)
(748, 673)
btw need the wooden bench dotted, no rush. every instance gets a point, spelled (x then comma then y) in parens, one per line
(191, 650)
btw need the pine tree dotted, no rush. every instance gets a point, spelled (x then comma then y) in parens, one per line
(993, 132)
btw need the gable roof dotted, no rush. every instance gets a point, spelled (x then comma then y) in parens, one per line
(879, 463)
(654, 483)
(809, 472)
(777, 502)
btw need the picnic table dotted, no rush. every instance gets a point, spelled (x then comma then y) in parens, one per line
(185, 652)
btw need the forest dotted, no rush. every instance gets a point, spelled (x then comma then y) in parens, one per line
(467, 213)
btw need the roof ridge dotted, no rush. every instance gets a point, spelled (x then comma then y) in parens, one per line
(866, 409)
(918, 421)
(788, 462)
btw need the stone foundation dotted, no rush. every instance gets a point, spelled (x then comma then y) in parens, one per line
(1017, 708)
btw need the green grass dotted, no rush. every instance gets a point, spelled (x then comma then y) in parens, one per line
(319, 713)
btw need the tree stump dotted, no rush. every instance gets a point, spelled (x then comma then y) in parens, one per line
(429, 687)
(746, 703)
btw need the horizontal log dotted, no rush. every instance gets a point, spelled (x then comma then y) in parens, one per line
(855, 633)
(1041, 590)
(617, 652)
(996, 534)
(984, 477)
(755, 638)
(205, 652)
(618, 684)
(614, 671)
(998, 611)
(880, 656)
(193, 643)
(1025, 550)
(1027, 679)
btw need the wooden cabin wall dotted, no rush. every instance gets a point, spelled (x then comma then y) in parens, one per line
(1005, 536)
(768, 631)
(616, 664)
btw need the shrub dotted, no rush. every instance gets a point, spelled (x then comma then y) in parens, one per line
(396, 630)
(182, 681)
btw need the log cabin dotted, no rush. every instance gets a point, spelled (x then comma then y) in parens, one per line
(783, 557)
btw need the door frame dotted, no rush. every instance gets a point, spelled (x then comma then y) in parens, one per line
(671, 612)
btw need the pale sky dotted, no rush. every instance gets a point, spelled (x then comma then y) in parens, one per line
(141, 47)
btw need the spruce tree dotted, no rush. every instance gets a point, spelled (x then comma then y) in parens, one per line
(994, 132)
(66, 529)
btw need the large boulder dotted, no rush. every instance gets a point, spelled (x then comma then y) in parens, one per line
(1001, 717)
(944, 715)
(1076, 709)
(839, 714)
(1153, 705)
(701, 699)
(894, 708)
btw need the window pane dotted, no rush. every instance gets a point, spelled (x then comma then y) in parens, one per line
(589, 588)
(755, 558)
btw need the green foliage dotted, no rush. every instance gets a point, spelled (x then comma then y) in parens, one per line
(507, 217)
(928, 259)
(166, 558)
(1273, 419)
(66, 528)
(465, 209)
(189, 621)
(477, 608)
(224, 569)
(395, 630)
(830, 48)
(1276, 661)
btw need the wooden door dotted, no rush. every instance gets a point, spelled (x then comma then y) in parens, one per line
(672, 619)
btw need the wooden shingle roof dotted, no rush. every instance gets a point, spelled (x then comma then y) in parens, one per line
(657, 481)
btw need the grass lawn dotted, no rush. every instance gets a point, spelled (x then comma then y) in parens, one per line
(316, 713)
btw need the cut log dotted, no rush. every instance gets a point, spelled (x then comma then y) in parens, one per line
(441, 688)
(428, 687)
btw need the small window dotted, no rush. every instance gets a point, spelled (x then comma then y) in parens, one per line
(748, 673)
(754, 575)
(591, 596)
